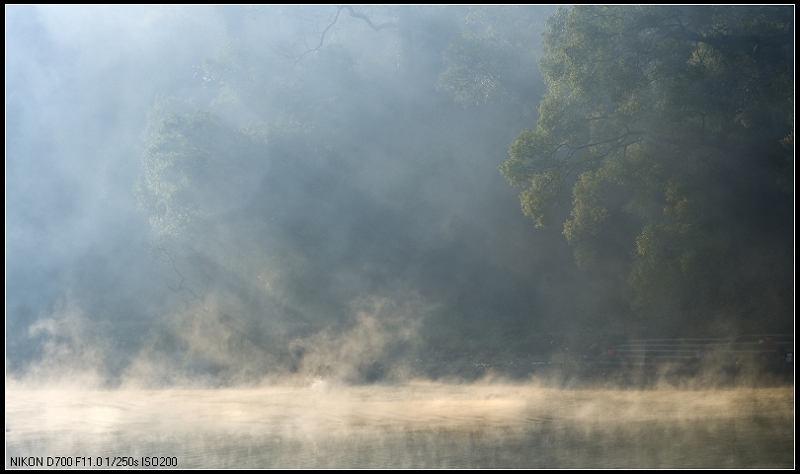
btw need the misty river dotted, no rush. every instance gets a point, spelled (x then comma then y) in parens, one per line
(413, 425)
(400, 236)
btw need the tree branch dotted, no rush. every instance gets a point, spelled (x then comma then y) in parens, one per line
(375, 27)
(321, 38)
(353, 13)
(161, 252)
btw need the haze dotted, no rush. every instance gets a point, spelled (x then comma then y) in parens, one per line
(319, 196)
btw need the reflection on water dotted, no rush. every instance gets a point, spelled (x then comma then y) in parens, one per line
(415, 425)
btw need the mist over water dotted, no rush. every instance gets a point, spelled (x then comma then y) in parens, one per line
(414, 425)
(275, 237)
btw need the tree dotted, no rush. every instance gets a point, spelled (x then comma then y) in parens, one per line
(673, 129)
(492, 58)
(195, 166)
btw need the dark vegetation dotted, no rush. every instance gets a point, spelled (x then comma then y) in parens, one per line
(299, 179)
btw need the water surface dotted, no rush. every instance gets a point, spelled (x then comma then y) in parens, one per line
(413, 425)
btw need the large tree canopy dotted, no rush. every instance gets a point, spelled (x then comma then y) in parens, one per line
(294, 184)
(673, 129)
(492, 58)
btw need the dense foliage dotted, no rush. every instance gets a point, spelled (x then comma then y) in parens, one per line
(670, 132)
(318, 175)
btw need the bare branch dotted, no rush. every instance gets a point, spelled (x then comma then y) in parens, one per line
(161, 252)
(283, 50)
(368, 21)
(321, 38)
